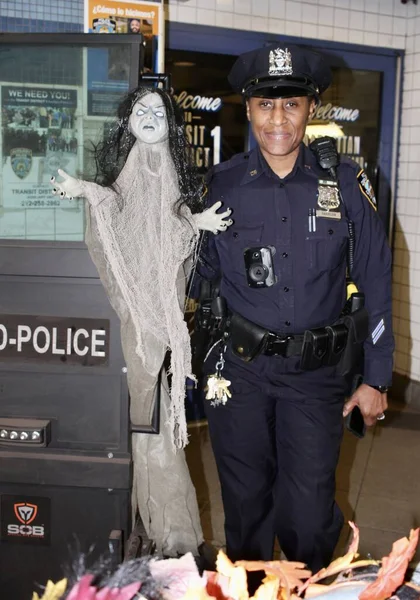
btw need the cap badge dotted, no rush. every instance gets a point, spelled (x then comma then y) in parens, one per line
(280, 62)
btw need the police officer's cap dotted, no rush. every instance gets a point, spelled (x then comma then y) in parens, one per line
(280, 70)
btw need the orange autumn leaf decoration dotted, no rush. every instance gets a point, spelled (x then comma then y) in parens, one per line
(281, 577)
(237, 582)
(339, 564)
(291, 574)
(391, 574)
(269, 590)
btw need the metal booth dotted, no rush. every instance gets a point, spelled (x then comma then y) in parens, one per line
(65, 467)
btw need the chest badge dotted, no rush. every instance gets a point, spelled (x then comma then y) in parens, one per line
(328, 199)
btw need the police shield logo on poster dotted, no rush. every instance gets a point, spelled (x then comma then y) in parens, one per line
(104, 25)
(21, 161)
(54, 339)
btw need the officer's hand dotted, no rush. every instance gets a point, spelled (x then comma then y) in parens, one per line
(69, 187)
(371, 403)
(210, 220)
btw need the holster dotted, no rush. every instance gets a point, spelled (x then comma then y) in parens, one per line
(357, 324)
(203, 318)
(208, 319)
(247, 339)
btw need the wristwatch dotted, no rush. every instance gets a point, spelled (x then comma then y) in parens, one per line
(381, 388)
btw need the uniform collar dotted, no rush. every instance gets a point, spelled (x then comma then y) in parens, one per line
(305, 162)
(255, 167)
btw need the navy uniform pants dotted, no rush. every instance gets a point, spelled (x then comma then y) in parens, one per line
(276, 443)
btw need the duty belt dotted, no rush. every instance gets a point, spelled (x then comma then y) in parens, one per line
(337, 344)
(340, 342)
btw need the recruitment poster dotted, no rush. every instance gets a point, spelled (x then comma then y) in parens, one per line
(39, 136)
(123, 16)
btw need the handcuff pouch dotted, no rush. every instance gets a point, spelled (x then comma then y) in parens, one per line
(247, 339)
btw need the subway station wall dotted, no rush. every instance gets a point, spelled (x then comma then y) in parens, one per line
(372, 22)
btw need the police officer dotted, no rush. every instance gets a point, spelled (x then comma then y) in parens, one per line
(276, 428)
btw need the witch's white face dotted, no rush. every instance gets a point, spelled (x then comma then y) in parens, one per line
(148, 122)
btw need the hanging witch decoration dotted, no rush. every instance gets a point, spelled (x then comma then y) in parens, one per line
(146, 204)
(143, 226)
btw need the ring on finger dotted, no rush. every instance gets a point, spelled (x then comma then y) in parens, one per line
(380, 417)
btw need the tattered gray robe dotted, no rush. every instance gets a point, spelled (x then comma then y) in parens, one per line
(162, 487)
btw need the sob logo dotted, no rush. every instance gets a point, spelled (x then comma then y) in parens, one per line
(25, 514)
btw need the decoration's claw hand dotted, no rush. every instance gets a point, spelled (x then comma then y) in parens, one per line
(211, 220)
(68, 188)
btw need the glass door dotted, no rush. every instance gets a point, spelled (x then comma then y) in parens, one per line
(216, 123)
(350, 113)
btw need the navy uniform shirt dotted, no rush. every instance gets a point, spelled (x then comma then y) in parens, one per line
(310, 265)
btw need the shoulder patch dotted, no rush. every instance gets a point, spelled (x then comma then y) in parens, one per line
(366, 188)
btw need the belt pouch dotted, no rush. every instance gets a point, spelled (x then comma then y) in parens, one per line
(337, 335)
(314, 349)
(357, 324)
(247, 339)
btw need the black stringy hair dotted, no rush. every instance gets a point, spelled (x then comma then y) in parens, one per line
(112, 153)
